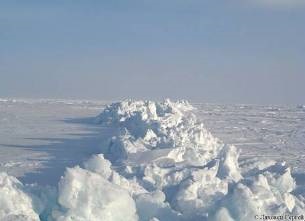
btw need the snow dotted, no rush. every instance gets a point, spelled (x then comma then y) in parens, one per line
(84, 195)
(157, 161)
(15, 203)
(146, 125)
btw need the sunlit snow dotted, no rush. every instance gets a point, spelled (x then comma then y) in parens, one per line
(145, 160)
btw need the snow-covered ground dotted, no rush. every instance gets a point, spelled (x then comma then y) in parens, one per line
(162, 163)
(270, 131)
(37, 136)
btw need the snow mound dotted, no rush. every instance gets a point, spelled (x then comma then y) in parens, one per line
(159, 164)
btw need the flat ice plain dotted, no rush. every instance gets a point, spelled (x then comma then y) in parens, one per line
(40, 138)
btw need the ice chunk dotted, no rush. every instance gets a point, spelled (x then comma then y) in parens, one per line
(200, 193)
(98, 164)
(228, 167)
(152, 206)
(222, 214)
(84, 195)
(15, 203)
(268, 192)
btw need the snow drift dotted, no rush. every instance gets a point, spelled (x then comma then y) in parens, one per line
(159, 163)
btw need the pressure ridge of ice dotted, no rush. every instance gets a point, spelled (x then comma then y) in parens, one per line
(159, 163)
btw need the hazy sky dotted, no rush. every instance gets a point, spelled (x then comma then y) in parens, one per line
(237, 51)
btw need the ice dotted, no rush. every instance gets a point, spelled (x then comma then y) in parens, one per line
(84, 195)
(198, 194)
(98, 164)
(153, 205)
(147, 125)
(15, 203)
(229, 167)
(158, 162)
(222, 215)
(267, 192)
(199, 175)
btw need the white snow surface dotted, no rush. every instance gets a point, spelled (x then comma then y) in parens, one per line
(157, 162)
(16, 204)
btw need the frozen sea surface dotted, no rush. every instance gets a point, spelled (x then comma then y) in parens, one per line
(273, 132)
(149, 160)
(40, 138)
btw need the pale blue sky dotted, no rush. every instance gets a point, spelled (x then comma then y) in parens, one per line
(239, 51)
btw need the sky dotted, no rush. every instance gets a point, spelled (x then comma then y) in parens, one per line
(237, 51)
